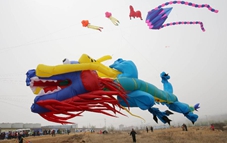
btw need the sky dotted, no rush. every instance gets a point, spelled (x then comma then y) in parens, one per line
(36, 32)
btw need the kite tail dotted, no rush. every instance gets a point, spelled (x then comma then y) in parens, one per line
(50, 116)
(114, 21)
(189, 4)
(132, 114)
(95, 27)
(184, 22)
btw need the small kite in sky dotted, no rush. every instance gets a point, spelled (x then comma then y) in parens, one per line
(157, 16)
(134, 14)
(86, 23)
(113, 20)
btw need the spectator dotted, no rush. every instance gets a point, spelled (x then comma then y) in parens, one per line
(184, 127)
(68, 131)
(212, 127)
(152, 129)
(133, 134)
(53, 133)
(20, 137)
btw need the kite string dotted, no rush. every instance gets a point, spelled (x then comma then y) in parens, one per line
(189, 4)
(35, 41)
(137, 51)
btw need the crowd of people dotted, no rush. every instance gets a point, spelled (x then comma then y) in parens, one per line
(151, 128)
(13, 134)
(21, 134)
(25, 133)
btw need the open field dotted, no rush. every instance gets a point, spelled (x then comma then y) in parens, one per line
(172, 135)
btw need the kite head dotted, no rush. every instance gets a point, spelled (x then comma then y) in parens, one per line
(165, 76)
(156, 17)
(131, 7)
(108, 14)
(126, 67)
(196, 106)
(166, 85)
(73, 87)
(85, 23)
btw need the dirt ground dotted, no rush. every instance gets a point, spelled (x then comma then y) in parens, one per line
(172, 135)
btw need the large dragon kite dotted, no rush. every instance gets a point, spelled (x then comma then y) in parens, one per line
(74, 87)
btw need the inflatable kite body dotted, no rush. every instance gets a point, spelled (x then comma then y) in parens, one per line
(86, 23)
(88, 85)
(112, 19)
(157, 16)
(144, 95)
(134, 14)
(66, 88)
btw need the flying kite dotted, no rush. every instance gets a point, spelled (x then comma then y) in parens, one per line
(144, 95)
(73, 87)
(134, 14)
(86, 23)
(157, 16)
(113, 20)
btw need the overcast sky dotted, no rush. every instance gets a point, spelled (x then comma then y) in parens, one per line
(36, 32)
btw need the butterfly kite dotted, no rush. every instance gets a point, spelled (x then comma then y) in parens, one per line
(157, 16)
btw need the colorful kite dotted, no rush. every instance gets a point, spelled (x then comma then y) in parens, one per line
(113, 20)
(87, 85)
(134, 14)
(157, 16)
(68, 88)
(144, 95)
(86, 23)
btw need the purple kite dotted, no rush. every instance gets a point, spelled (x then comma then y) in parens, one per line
(157, 16)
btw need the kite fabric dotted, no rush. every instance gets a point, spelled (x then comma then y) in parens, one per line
(157, 16)
(112, 19)
(74, 87)
(85, 23)
(134, 14)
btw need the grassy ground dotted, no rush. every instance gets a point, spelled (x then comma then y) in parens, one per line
(173, 135)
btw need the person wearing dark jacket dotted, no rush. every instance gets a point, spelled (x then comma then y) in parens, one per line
(133, 134)
(184, 127)
(20, 137)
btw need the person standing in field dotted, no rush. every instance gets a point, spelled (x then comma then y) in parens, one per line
(184, 127)
(152, 129)
(133, 134)
(147, 129)
(20, 137)
(53, 133)
(212, 127)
